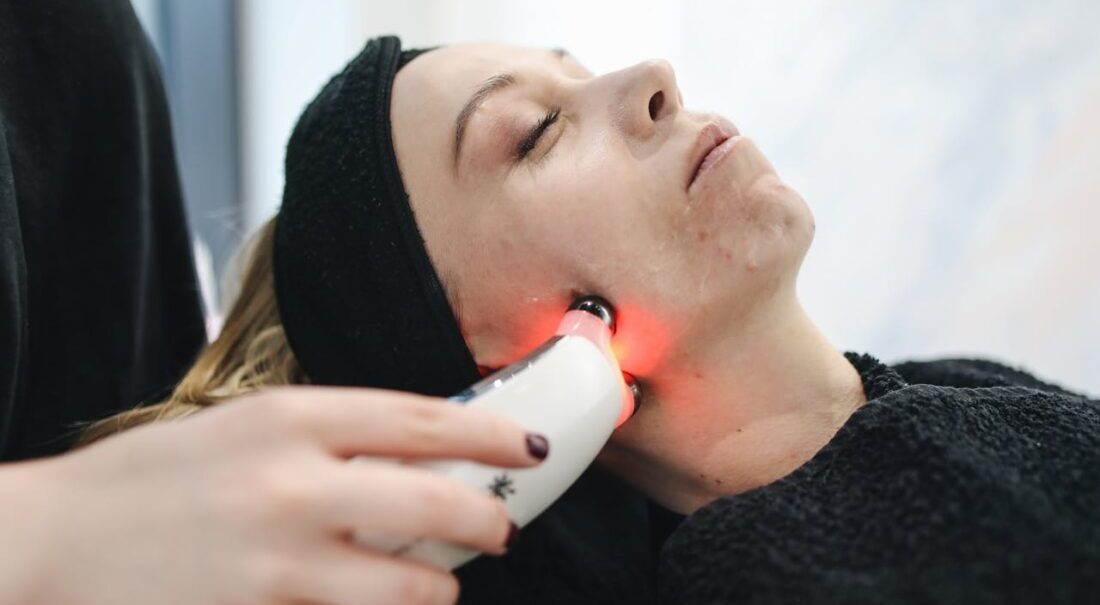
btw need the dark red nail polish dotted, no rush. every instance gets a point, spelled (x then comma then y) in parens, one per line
(513, 535)
(537, 446)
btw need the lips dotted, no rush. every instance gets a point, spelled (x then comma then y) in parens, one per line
(713, 134)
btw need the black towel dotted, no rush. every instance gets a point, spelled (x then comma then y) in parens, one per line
(960, 481)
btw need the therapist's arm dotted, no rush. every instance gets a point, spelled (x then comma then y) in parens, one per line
(252, 502)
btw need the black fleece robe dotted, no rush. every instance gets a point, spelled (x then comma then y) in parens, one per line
(959, 481)
(98, 300)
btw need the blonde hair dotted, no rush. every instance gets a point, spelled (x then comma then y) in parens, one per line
(250, 352)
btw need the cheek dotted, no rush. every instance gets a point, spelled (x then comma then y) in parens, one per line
(572, 208)
(515, 263)
(552, 230)
(621, 238)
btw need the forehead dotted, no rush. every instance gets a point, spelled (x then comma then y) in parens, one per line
(442, 79)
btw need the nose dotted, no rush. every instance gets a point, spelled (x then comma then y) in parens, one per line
(649, 96)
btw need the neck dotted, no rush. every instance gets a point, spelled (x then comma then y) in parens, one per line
(744, 408)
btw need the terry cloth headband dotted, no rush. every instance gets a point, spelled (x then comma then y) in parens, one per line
(357, 294)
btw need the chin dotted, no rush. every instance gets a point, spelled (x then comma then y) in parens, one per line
(771, 250)
(779, 209)
(800, 223)
(794, 226)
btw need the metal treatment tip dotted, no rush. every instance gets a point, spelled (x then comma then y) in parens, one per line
(596, 306)
(635, 390)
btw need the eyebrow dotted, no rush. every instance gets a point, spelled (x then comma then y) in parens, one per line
(491, 85)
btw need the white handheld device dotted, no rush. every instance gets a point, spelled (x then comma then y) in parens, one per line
(570, 390)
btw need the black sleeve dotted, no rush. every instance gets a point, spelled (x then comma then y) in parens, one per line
(98, 298)
(972, 373)
(591, 547)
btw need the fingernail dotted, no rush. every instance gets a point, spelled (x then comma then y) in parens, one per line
(513, 535)
(537, 446)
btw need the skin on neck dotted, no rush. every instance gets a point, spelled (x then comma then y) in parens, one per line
(752, 402)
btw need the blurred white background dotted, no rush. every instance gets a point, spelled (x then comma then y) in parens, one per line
(950, 149)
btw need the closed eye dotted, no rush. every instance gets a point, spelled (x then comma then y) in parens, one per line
(530, 141)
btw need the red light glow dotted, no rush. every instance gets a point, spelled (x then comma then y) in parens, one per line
(640, 342)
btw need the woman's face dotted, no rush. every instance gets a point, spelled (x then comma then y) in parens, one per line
(518, 225)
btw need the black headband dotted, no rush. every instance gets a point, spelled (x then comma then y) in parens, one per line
(358, 296)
